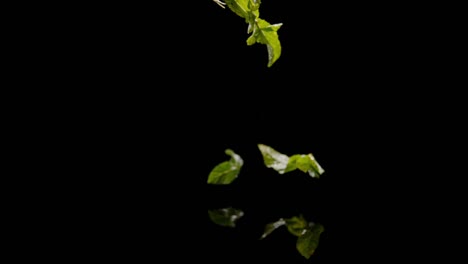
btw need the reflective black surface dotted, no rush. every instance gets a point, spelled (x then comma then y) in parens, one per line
(157, 101)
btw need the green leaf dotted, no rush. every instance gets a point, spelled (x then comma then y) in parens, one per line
(305, 163)
(273, 159)
(225, 216)
(240, 7)
(265, 33)
(296, 225)
(282, 163)
(269, 228)
(226, 172)
(309, 240)
(261, 31)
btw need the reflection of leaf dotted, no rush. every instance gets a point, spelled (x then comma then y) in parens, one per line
(309, 240)
(282, 163)
(269, 228)
(296, 225)
(308, 233)
(226, 172)
(226, 216)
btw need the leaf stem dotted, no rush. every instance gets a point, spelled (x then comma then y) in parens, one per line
(220, 3)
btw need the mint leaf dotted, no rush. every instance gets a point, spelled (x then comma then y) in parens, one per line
(265, 33)
(305, 163)
(226, 172)
(262, 31)
(226, 216)
(282, 163)
(274, 159)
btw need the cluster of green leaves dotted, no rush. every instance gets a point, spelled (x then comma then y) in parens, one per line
(261, 31)
(307, 233)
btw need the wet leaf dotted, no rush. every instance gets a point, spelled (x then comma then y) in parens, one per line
(274, 159)
(305, 163)
(226, 172)
(282, 163)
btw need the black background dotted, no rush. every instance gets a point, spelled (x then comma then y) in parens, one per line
(156, 93)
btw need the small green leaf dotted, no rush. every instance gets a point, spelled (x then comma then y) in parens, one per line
(267, 34)
(309, 240)
(225, 216)
(226, 172)
(273, 159)
(269, 228)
